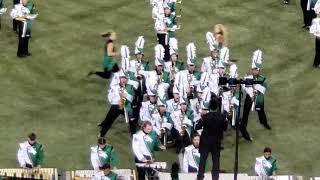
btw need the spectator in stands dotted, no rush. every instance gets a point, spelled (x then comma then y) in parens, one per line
(103, 154)
(30, 153)
(266, 165)
(106, 173)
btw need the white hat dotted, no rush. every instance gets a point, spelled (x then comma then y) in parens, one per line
(161, 102)
(159, 55)
(175, 90)
(152, 90)
(191, 54)
(212, 43)
(317, 7)
(173, 43)
(139, 45)
(200, 88)
(183, 100)
(256, 59)
(122, 73)
(125, 57)
(233, 71)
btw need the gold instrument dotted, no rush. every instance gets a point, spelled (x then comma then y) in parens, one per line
(122, 98)
(41, 173)
(160, 78)
(255, 93)
(183, 125)
(189, 79)
(172, 72)
(126, 174)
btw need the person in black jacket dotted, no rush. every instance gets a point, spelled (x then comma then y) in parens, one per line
(213, 126)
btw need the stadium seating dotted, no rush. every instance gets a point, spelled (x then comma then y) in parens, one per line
(43, 173)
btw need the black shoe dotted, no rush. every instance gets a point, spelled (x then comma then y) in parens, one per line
(91, 73)
(27, 54)
(21, 55)
(285, 2)
(267, 126)
(246, 135)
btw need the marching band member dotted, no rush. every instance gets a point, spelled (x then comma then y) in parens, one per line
(24, 13)
(173, 103)
(30, 153)
(149, 107)
(135, 69)
(109, 63)
(157, 76)
(191, 77)
(266, 165)
(120, 98)
(144, 143)
(170, 20)
(14, 21)
(195, 103)
(106, 174)
(162, 121)
(182, 123)
(191, 156)
(171, 4)
(315, 30)
(255, 96)
(103, 154)
(209, 63)
(173, 66)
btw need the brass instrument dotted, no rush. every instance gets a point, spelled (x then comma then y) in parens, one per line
(122, 103)
(41, 173)
(189, 78)
(122, 98)
(163, 131)
(138, 68)
(183, 125)
(160, 80)
(213, 66)
(255, 93)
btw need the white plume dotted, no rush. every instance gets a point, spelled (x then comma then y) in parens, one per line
(125, 57)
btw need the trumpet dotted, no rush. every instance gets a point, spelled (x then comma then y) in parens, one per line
(183, 125)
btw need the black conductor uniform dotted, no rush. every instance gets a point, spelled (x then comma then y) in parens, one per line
(213, 127)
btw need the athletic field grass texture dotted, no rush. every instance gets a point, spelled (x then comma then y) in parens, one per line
(49, 93)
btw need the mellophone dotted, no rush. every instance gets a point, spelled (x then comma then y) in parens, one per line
(42, 173)
(123, 174)
(154, 165)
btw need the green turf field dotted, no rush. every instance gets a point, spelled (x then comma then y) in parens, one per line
(50, 94)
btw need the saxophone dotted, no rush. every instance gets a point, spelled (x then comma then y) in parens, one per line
(160, 78)
(122, 98)
(183, 125)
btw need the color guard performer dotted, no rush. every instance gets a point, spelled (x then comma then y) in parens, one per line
(222, 51)
(315, 30)
(191, 156)
(103, 154)
(110, 52)
(254, 100)
(120, 96)
(24, 13)
(30, 153)
(144, 144)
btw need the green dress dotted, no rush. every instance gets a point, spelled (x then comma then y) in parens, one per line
(37, 158)
(108, 61)
(112, 157)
